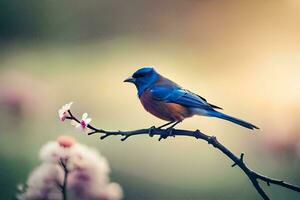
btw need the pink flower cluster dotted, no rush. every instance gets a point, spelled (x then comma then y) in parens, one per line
(81, 125)
(88, 176)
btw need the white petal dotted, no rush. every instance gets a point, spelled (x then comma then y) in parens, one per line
(84, 116)
(60, 113)
(88, 120)
(68, 106)
(79, 128)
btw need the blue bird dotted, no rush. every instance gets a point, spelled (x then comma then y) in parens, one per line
(168, 101)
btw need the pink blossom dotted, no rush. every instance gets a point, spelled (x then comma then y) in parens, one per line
(84, 122)
(63, 112)
(88, 176)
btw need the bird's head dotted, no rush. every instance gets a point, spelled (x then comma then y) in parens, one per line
(143, 78)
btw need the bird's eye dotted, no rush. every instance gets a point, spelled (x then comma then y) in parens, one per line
(138, 75)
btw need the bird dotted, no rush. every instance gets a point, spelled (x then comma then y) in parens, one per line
(168, 101)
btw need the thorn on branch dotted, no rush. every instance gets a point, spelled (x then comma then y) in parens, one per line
(168, 132)
(242, 157)
(125, 137)
(93, 132)
(241, 160)
(212, 140)
(160, 138)
(197, 134)
(104, 136)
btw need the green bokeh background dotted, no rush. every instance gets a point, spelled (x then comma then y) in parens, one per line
(241, 55)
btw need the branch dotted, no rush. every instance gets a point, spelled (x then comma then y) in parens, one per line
(253, 176)
(64, 185)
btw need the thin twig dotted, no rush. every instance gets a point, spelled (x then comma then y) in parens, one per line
(65, 181)
(164, 133)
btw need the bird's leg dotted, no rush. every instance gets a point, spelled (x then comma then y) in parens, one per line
(169, 131)
(164, 125)
(173, 125)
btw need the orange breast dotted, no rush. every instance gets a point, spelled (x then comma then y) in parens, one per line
(177, 111)
(163, 110)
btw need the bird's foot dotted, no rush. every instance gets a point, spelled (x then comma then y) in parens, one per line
(150, 131)
(168, 132)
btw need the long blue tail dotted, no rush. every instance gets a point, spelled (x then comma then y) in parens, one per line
(231, 119)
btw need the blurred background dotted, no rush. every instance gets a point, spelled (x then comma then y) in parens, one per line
(241, 55)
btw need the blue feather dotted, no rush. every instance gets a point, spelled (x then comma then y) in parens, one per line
(179, 96)
(240, 122)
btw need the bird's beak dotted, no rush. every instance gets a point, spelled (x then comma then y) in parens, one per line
(130, 80)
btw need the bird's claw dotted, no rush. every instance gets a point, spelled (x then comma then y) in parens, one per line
(150, 131)
(167, 133)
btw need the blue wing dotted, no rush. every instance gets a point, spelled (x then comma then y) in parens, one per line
(180, 96)
(175, 94)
